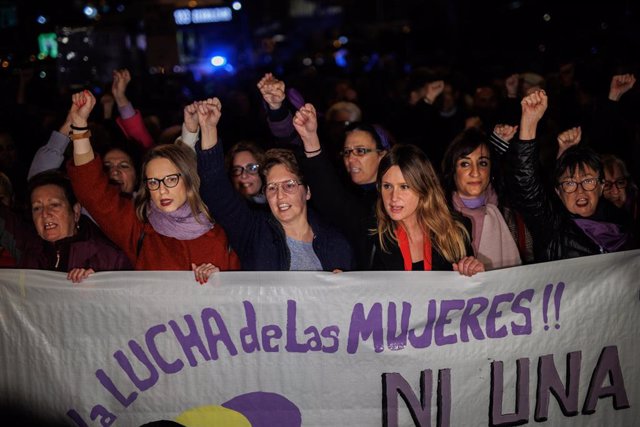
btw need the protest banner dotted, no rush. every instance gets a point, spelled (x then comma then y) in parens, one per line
(551, 344)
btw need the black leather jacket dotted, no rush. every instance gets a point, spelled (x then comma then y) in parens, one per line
(555, 235)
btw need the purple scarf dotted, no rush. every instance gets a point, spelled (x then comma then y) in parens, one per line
(180, 224)
(606, 234)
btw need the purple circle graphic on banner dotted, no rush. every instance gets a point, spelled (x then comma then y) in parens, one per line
(264, 409)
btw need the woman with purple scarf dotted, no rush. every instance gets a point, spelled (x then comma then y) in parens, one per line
(472, 182)
(166, 226)
(577, 220)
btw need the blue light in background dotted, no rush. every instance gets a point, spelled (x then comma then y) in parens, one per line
(341, 58)
(218, 61)
(41, 20)
(90, 11)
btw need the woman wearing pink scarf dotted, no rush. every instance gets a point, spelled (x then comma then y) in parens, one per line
(498, 235)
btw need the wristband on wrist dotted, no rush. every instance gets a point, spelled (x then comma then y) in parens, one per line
(76, 136)
(85, 128)
(313, 151)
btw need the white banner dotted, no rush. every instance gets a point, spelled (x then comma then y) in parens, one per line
(554, 343)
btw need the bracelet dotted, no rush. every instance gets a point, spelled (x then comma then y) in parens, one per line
(76, 136)
(313, 151)
(79, 128)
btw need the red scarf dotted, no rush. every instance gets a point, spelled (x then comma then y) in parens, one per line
(403, 242)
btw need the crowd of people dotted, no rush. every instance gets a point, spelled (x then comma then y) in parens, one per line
(504, 176)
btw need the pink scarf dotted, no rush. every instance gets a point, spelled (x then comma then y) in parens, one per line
(492, 241)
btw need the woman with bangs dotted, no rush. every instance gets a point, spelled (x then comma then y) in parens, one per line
(574, 220)
(166, 226)
(415, 229)
(473, 185)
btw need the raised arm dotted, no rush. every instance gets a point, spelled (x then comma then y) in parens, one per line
(533, 107)
(305, 122)
(568, 138)
(82, 104)
(209, 112)
(620, 84)
(226, 205)
(272, 91)
(190, 134)
(433, 91)
(279, 117)
(501, 137)
(130, 120)
(51, 155)
(525, 182)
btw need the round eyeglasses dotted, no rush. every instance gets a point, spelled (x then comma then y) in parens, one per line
(357, 151)
(289, 187)
(169, 181)
(588, 184)
(619, 183)
(251, 169)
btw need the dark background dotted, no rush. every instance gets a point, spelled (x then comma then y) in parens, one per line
(479, 36)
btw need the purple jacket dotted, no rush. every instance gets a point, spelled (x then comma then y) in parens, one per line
(87, 249)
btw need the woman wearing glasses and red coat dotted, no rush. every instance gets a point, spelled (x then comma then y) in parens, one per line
(579, 221)
(290, 236)
(166, 226)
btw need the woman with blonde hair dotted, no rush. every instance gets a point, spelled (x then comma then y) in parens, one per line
(415, 228)
(167, 226)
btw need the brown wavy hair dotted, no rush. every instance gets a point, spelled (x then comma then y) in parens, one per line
(184, 158)
(447, 235)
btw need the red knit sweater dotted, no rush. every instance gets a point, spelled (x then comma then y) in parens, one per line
(115, 214)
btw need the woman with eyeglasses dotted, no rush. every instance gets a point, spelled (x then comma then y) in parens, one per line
(348, 206)
(166, 226)
(290, 236)
(620, 189)
(576, 221)
(243, 162)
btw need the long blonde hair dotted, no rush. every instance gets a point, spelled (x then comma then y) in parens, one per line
(447, 234)
(185, 160)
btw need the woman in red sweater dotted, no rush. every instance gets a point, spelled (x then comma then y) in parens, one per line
(166, 226)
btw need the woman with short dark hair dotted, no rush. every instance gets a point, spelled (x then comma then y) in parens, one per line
(64, 240)
(576, 221)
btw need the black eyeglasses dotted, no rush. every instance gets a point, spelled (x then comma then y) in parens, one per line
(288, 187)
(169, 181)
(619, 183)
(251, 168)
(588, 184)
(358, 151)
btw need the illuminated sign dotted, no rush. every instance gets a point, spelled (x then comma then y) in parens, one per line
(203, 15)
(48, 45)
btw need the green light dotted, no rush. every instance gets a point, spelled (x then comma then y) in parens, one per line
(48, 45)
